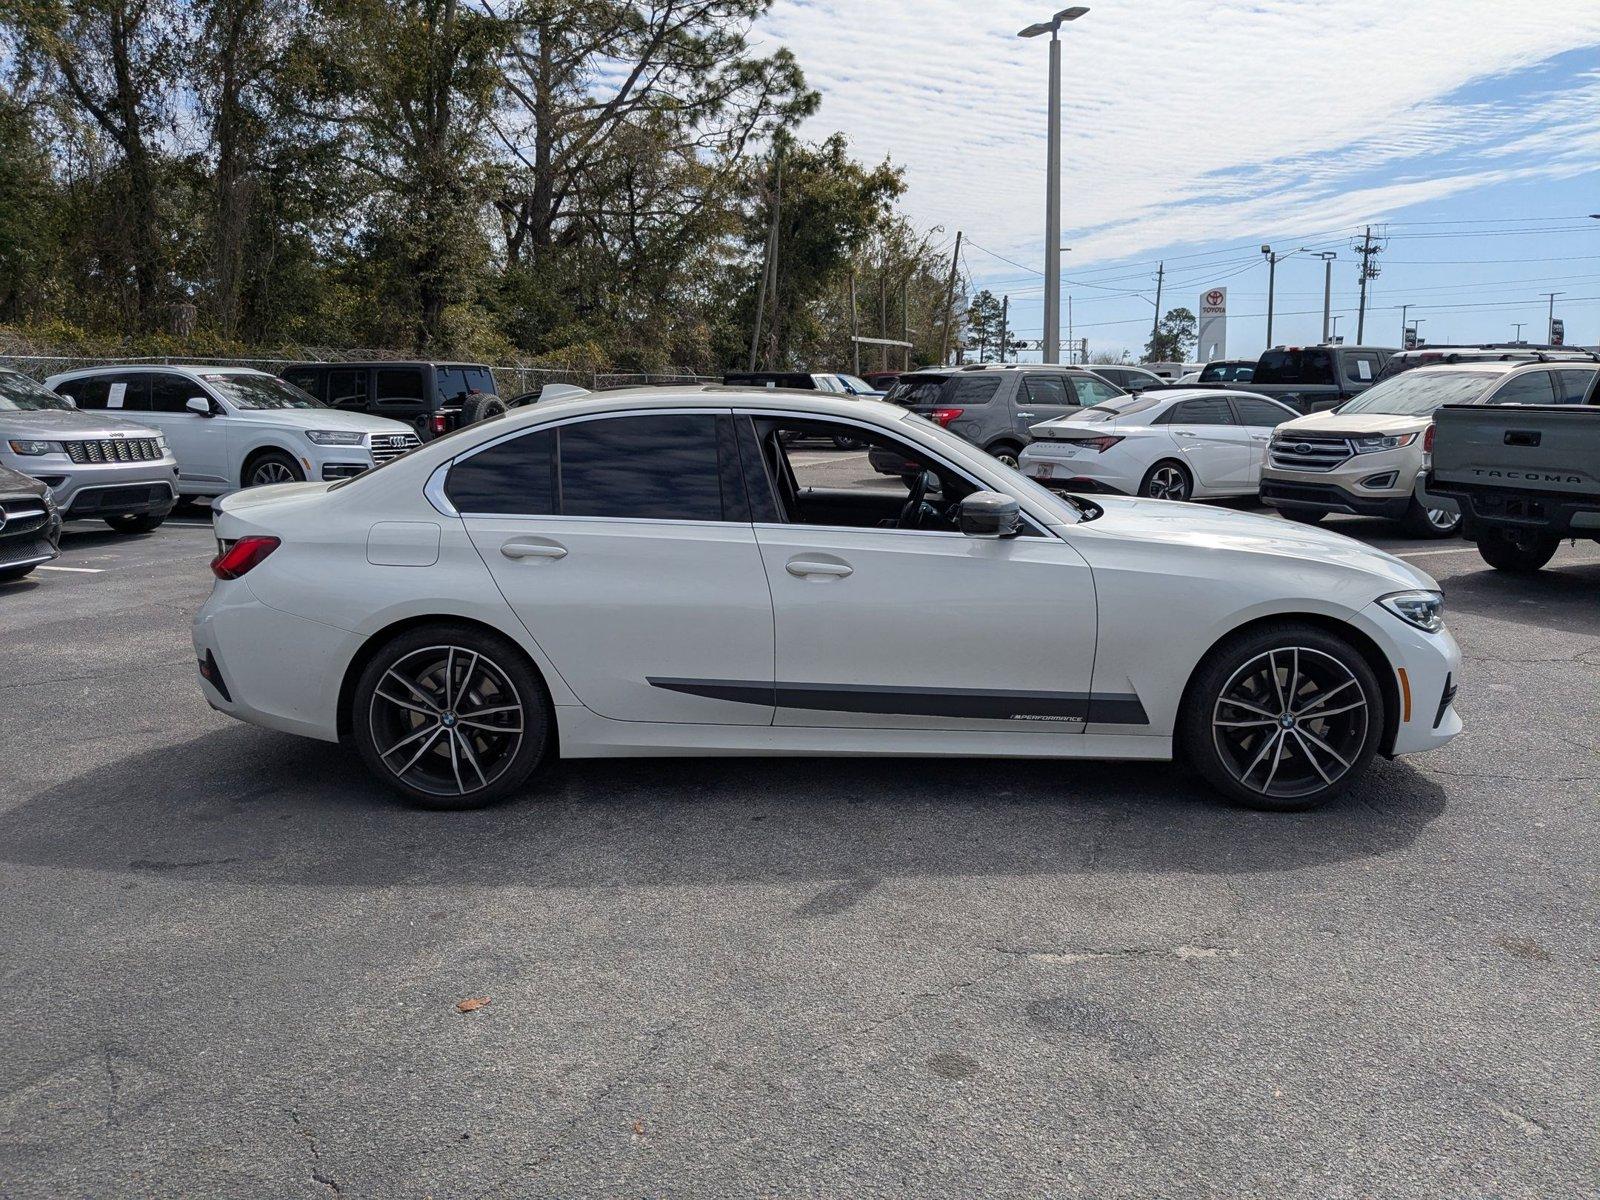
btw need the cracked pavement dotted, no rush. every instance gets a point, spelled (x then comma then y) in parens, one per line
(230, 962)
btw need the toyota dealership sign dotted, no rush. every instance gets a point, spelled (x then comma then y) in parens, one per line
(1213, 327)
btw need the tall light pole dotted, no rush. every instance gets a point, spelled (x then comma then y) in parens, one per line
(1052, 187)
(1327, 257)
(1550, 329)
(1403, 325)
(1519, 325)
(1335, 319)
(1272, 278)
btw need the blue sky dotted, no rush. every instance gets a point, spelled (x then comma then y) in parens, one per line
(1467, 132)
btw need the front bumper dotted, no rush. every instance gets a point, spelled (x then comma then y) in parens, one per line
(1331, 497)
(103, 489)
(30, 534)
(1427, 671)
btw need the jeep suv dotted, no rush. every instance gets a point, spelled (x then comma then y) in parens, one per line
(432, 397)
(996, 405)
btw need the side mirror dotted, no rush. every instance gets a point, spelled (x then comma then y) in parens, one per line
(990, 515)
(199, 405)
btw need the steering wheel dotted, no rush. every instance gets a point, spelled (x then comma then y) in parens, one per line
(911, 513)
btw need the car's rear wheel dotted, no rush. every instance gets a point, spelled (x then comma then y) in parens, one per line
(273, 467)
(1006, 452)
(451, 715)
(1424, 522)
(1515, 551)
(1167, 480)
(1282, 718)
(136, 522)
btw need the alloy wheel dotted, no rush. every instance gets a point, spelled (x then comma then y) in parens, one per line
(1167, 483)
(1443, 519)
(271, 471)
(1290, 722)
(446, 720)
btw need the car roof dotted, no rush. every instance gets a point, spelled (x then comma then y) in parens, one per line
(707, 395)
(1498, 366)
(137, 368)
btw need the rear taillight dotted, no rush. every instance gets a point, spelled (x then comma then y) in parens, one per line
(1427, 440)
(1101, 444)
(242, 556)
(441, 423)
(945, 415)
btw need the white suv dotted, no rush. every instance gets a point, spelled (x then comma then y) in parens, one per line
(234, 427)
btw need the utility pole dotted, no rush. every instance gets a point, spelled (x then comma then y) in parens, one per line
(855, 328)
(1550, 329)
(949, 303)
(905, 322)
(1272, 283)
(1327, 257)
(1155, 321)
(1369, 270)
(1071, 344)
(769, 260)
(1403, 326)
(1005, 310)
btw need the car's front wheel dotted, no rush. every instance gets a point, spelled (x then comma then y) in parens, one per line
(1283, 717)
(451, 715)
(1517, 552)
(273, 467)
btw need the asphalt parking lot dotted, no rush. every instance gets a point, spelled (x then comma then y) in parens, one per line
(232, 962)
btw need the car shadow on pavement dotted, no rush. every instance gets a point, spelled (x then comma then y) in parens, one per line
(1561, 597)
(249, 806)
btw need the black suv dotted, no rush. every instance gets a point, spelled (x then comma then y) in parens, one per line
(431, 397)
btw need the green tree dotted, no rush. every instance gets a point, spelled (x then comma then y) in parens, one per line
(27, 214)
(1174, 337)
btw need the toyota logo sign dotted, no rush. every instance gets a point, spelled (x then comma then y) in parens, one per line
(1215, 296)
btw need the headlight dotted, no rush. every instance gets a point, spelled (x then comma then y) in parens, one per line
(336, 437)
(1425, 610)
(1377, 442)
(31, 448)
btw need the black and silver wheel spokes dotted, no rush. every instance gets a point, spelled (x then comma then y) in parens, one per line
(1290, 722)
(1166, 484)
(273, 472)
(446, 720)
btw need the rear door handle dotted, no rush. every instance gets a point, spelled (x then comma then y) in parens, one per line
(519, 548)
(800, 568)
(1020, 413)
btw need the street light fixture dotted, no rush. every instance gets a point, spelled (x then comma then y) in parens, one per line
(1052, 189)
(1272, 276)
(1327, 257)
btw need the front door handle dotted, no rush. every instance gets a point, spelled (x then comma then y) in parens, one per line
(1260, 437)
(1183, 433)
(800, 568)
(519, 548)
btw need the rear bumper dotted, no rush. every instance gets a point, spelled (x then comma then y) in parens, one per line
(1525, 511)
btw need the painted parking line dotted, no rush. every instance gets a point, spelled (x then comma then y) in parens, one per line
(1427, 553)
(77, 570)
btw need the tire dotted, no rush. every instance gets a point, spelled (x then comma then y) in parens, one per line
(136, 523)
(848, 443)
(1423, 522)
(1517, 553)
(482, 408)
(400, 704)
(273, 467)
(1305, 516)
(1006, 452)
(1232, 724)
(1167, 480)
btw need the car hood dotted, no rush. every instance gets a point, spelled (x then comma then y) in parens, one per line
(1332, 424)
(324, 418)
(1202, 527)
(58, 424)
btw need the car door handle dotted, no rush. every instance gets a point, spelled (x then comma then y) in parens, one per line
(1020, 413)
(1260, 437)
(800, 568)
(1183, 433)
(519, 548)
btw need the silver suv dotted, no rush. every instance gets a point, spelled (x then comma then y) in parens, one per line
(996, 405)
(95, 464)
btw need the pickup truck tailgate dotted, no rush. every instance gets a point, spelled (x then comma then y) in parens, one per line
(1540, 448)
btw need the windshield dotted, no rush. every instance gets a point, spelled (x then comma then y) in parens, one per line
(1418, 393)
(18, 393)
(1226, 372)
(261, 391)
(1294, 366)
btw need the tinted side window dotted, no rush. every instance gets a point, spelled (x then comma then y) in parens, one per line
(479, 379)
(307, 379)
(170, 393)
(1046, 389)
(1360, 368)
(1536, 387)
(347, 388)
(516, 477)
(399, 383)
(1576, 385)
(86, 393)
(970, 389)
(131, 392)
(1212, 411)
(1260, 412)
(659, 468)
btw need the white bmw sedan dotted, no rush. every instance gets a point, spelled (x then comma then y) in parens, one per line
(665, 572)
(1192, 444)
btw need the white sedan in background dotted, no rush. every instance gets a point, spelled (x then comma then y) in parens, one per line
(1171, 445)
(656, 572)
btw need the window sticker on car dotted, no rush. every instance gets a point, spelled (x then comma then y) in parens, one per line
(115, 395)
(1363, 368)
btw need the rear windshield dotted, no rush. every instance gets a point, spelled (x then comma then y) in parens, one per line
(1418, 393)
(1224, 372)
(19, 393)
(1313, 365)
(261, 391)
(916, 389)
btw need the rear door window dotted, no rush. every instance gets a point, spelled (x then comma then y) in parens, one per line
(659, 468)
(130, 392)
(170, 393)
(1360, 367)
(86, 393)
(1213, 410)
(347, 388)
(1533, 387)
(1261, 413)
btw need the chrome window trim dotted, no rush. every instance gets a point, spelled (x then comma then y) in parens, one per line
(433, 490)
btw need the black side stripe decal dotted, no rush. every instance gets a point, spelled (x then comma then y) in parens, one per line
(971, 703)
